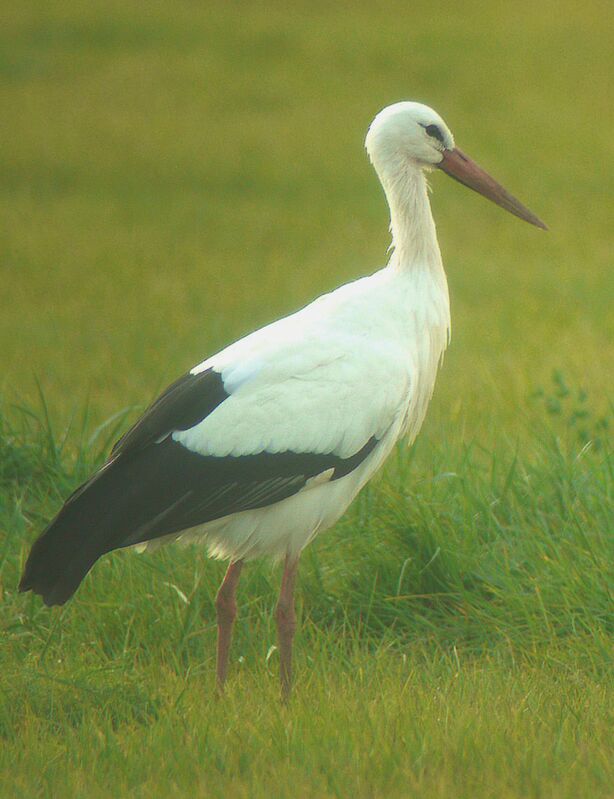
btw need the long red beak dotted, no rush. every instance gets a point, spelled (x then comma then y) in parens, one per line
(456, 164)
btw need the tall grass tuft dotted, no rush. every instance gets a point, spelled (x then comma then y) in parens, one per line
(463, 604)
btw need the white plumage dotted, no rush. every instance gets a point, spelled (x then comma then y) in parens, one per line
(266, 443)
(357, 363)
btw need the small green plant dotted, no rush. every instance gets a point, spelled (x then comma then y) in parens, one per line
(572, 410)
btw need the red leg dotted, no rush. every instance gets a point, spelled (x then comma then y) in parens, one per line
(226, 605)
(286, 624)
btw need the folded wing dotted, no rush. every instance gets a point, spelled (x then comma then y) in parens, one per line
(211, 446)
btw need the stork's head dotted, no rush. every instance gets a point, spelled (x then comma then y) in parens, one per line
(408, 135)
(407, 132)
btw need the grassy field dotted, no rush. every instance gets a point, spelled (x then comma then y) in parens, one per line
(171, 176)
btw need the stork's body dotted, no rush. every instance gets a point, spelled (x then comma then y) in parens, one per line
(265, 444)
(348, 375)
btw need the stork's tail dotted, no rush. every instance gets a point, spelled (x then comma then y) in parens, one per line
(57, 564)
(85, 528)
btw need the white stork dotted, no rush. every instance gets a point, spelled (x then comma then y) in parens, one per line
(266, 443)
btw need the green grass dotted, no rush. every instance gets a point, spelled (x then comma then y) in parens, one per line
(171, 176)
(455, 640)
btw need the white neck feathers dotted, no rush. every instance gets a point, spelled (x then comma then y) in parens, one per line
(414, 240)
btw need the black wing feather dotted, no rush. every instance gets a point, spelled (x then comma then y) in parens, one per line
(185, 402)
(153, 486)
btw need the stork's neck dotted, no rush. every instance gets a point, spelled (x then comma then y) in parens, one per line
(411, 223)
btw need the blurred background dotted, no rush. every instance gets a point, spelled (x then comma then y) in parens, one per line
(174, 174)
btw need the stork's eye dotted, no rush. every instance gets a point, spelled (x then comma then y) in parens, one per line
(435, 132)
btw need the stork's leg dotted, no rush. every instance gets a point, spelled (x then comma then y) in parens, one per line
(286, 624)
(226, 606)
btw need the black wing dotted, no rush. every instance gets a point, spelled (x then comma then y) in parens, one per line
(185, 402)
(153, 486)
